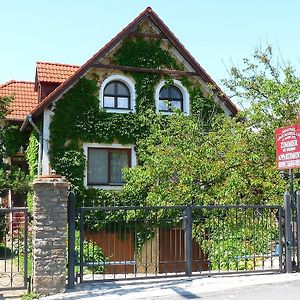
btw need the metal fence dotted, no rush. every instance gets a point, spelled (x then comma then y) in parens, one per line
(13, 248)
(292, 231)
(112, 243)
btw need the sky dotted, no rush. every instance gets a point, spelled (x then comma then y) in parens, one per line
(218, 33)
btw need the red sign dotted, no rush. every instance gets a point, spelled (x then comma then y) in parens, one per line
(288, 147)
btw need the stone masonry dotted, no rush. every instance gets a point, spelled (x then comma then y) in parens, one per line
(50, 234)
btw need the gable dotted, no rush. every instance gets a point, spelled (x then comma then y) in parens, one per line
(146, 25)
(51, 75)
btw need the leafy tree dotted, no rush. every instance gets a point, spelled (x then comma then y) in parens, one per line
(10, 178)
(233, 162)
(267, 89)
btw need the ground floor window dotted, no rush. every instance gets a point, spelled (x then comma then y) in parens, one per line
(105, 164)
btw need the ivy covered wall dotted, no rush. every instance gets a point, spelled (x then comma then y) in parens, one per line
(78, 118)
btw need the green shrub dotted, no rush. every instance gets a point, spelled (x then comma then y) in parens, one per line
(92, 253)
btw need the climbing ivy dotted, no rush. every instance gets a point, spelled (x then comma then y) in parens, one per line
(77, 117)
(32, 154)
(144, 54)
(32, 161)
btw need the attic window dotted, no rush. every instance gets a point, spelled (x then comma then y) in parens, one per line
(170, 99)
(117, 94)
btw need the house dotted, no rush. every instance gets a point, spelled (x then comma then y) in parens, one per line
(143, 67)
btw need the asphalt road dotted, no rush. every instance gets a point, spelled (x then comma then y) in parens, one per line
(276, 291)
(247, 287)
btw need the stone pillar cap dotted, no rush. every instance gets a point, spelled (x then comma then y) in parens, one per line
(50, 176)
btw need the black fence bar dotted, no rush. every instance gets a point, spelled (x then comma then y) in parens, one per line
(298, 228)
(280, 215)
(112, 208)
(81, 250)
(26, 279)
(188, 240)
(288, 232)
(71, 239)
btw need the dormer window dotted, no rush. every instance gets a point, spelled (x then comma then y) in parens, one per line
(170, 99)
(117, 94)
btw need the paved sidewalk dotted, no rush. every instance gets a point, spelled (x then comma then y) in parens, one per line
(166, 288)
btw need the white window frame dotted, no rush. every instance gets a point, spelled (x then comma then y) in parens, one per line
(86, 147)
(185, 95)
(130, 86)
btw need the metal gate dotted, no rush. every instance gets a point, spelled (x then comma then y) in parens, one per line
(292, 231)
(13, 248)
(110, 243)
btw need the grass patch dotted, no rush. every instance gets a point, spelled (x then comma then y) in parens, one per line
(30, 296)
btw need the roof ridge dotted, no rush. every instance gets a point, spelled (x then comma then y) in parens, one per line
(54, 63)
(15, 81)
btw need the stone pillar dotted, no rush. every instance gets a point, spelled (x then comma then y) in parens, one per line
(50, 234)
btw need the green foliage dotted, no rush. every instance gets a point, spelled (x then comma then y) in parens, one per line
(30, 296)
(32, 160)
(2, 226)
(10, 142)
(204, 109)
(77, 117)
(4, 104)
(237, 239)
(232, 163)
(32, 154)
(19, 181)
(92, 253)
(15, 180)
(4, 182)
(267, 89)
(13, 139)
(144, 54)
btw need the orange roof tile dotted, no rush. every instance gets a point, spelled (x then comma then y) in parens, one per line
(54, 72)
(25, 98)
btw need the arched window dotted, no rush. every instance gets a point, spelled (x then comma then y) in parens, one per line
(170, 99)
(116, 95)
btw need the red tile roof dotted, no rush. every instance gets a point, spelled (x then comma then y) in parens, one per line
(54, 72)
(25, 98)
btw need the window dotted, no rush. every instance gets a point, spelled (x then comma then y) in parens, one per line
(105, 165)
(116, 95)
(170, 99)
